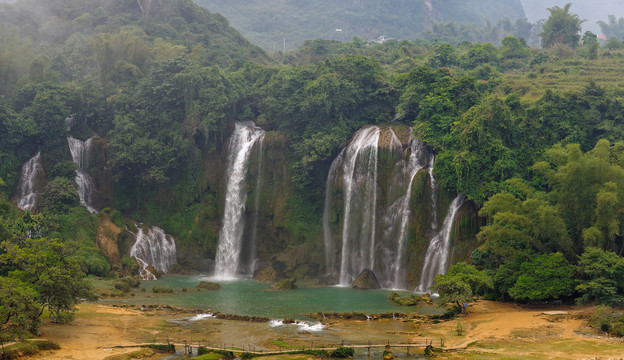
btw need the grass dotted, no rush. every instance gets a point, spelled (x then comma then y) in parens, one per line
(26, 348)
(138, 354)
(566, 75)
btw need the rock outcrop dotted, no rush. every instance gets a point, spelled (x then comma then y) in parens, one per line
(366, 280)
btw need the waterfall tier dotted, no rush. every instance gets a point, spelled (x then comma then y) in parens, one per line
(153, 247)
(437, 256)
(229, 250)
(368, 196)
(26, 188)
(80, 155)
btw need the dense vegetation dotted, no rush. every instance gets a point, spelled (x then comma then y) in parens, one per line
(533, 137)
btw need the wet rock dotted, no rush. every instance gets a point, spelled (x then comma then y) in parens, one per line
(286, 284)
(177, 269)
(366, 280)
(266, 274)
(206, 285)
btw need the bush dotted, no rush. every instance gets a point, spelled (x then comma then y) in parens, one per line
(163, 348)
(121, 285)
(342, 352)
(602, 318)
(124, 284)
(162, 289)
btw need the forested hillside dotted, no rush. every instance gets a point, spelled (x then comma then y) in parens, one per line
(268, 23)
(534, 138)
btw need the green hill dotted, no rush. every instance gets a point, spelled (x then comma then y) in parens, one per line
(268, 22)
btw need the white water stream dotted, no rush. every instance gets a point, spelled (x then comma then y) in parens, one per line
(229, 250)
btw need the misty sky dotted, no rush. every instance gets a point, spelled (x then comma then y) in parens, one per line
(590, 10)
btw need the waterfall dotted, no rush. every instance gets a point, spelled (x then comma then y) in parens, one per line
(330, 255)
(80, 155)
(360, 202)
(376, 212)
(434, 197)
(232, 227)
(404, 212)
(153, 247)
(26, 192)
(251, 261)
(436, 258)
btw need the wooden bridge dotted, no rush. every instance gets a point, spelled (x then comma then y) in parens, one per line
(191, 347)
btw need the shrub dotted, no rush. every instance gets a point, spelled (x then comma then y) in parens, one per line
(163, 348)
(342, 352)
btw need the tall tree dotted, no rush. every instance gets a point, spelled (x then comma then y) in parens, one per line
(561, 28)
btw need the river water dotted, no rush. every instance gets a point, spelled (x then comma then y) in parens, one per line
(246, 297)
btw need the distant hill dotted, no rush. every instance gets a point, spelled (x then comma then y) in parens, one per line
(52, 24)
(268, 22)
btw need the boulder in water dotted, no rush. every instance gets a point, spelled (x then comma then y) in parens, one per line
(266, 275)
(366, 280)
(206, 285)
(286, 284)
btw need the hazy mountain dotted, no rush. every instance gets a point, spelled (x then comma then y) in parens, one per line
(589, 10)
(269, 22)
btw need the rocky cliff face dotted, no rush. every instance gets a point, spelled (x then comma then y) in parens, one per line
(286, 225)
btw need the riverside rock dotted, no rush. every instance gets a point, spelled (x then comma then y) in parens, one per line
(206, 285)
(266, 275)
(286, 284)
(366, 280)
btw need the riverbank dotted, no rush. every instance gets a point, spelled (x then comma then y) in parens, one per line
(490, 331)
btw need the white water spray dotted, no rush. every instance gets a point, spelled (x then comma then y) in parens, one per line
(436, 258)
(80, 155)
(360, 202)
(232, 227)
(26, 191)
(153, 247)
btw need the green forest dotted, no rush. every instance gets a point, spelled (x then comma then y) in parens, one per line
(533, 136)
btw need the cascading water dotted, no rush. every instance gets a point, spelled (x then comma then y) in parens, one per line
(360, 201)
(436, 258)
(80, 155)
(26, 191)
(413, 166)
(375, 218)
(232, 227)
(434, 197)
(330, 256)
(153, 247)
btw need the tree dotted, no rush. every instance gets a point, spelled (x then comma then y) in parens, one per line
(590, 45)
(601, 277)
(59, 195)
(45, 265)
(460, 283)
(614, 29)
(561, 27)
(18, 305)
(545, 277)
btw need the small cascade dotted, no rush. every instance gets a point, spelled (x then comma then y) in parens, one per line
(436, 258)
(26, 191)
(434, 197)
(360, 202)
(229, 250)
(80, 155)
(153, 247)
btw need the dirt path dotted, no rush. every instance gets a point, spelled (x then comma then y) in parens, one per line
(493, 330)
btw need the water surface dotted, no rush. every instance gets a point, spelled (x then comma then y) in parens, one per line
(246, 297)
